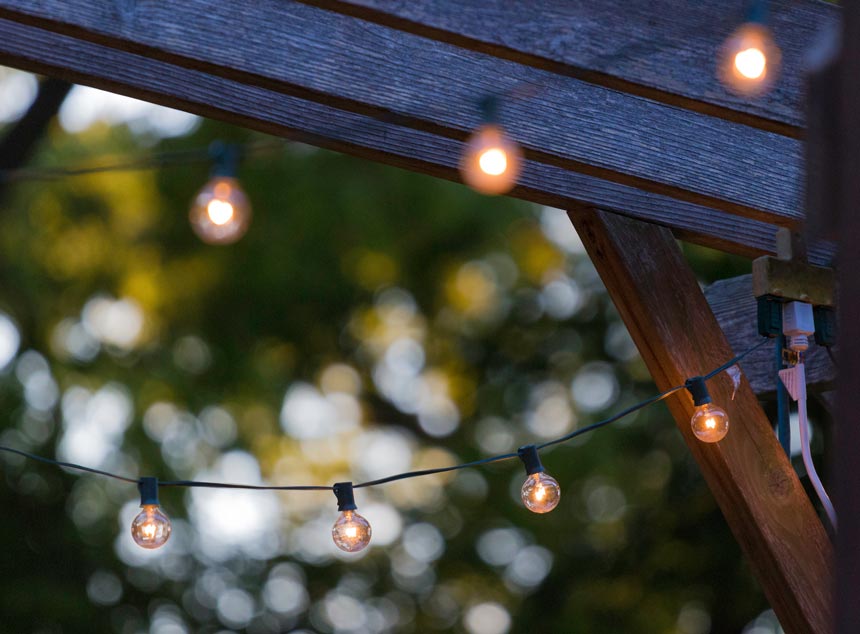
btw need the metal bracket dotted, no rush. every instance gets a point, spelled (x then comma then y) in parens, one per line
(789, 277)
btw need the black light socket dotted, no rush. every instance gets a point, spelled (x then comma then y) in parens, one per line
(345, 498)
(757, 12)
(225, 159)
(148, 488)
(490, 109)
(698, 390)
(531, 460)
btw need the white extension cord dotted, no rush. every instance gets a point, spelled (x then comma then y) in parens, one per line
(794, 379)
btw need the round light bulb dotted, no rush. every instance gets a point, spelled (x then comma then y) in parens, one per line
(221, 211)
(750, 60)
(351, 532)
(491, 161)
(151, 528)
(710, 423)
(540, 493)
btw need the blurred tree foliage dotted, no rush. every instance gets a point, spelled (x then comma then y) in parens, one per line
(370, 317)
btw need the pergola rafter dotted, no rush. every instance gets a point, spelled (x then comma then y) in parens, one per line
(614, 145)
(618, 111)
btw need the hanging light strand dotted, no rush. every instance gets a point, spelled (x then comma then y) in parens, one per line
(351, 532)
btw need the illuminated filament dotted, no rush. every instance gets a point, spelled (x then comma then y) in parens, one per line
(220, 211)
(751, 63)
(493, 161)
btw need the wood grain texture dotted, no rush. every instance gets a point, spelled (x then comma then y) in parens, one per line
(269, 111)
(661, 49)
(762, 499)
(369, 69)
(734, 307)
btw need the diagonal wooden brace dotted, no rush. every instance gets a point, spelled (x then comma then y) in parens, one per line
(678, 336)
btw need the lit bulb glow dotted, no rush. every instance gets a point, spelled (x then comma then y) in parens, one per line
(151, 528)
(750, 60)
(751, 63)
(221, 211)
(540, 493)
(491, 161)
(710, 423)
(351, 532)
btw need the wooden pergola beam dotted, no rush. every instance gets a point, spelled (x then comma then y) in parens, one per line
(31, 48)
(356, 66)
(734, 306)
(762, 499)
(660, 49)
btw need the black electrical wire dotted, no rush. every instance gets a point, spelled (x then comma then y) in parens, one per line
(155, 161)
(735, 360)
(400, 476)
(68, 465)
(253, 487)
(423, 472)
(613, 418)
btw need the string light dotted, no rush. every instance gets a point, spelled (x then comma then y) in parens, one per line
(352, 532)
(221, 211)
(153, 161)
(491, 161)
(750, 59)
(710, 423)
(151, 528)
(541, 492)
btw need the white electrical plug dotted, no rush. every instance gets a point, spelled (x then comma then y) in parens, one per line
(797, 324)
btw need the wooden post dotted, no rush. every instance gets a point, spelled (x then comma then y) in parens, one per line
(762, 499)
(848, 399)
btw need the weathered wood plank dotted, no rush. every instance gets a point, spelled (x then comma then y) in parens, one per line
(762, 499)
(379, 72)
(846, 471)
(734, 307)
(661, 49)
(255, 107)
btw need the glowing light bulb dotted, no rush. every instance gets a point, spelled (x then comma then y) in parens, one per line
(491, 161)
(351, 532)
(221, 211)
(151, 528)
(540, 493)
(750, 60)
(710, 423)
